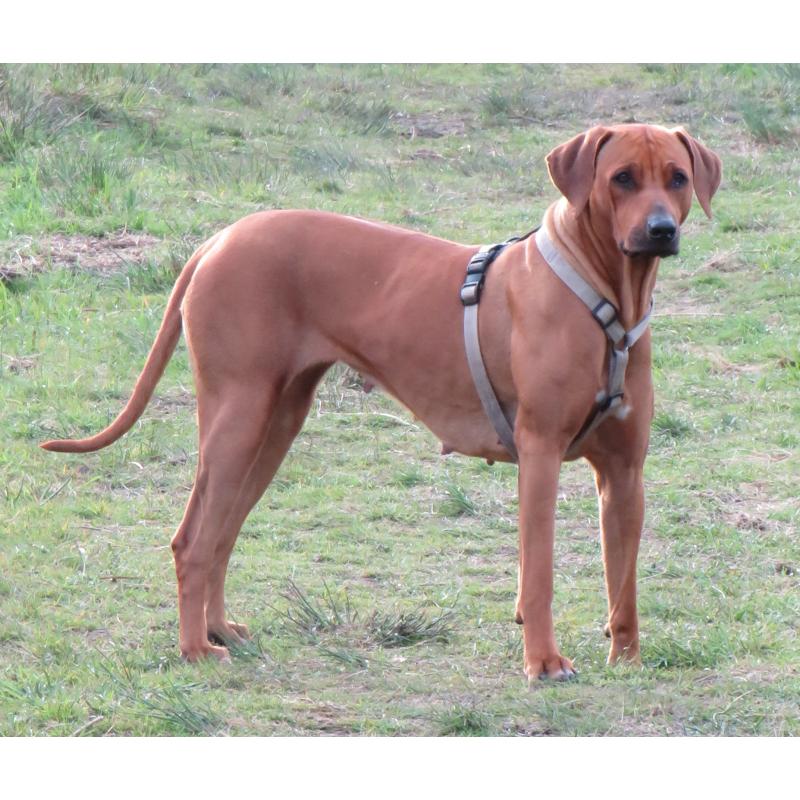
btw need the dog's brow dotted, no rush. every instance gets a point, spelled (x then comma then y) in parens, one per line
(651, 154)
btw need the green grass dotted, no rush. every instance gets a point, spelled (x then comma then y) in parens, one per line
(378, 577)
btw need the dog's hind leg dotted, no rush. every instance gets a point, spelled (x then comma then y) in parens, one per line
(290, 413)
(233, 426)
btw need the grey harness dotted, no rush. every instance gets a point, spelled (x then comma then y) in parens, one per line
(604, 312)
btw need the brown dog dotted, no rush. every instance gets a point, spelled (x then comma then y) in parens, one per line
(271, 302)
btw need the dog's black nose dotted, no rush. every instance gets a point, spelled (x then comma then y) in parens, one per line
(661, 226)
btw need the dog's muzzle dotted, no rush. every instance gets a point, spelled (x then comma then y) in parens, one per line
(659, 236)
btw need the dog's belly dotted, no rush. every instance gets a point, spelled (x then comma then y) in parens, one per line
(452, 416)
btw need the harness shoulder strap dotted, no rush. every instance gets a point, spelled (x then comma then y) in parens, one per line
(604, 312)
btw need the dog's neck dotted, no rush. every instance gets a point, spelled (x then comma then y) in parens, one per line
(626, 282)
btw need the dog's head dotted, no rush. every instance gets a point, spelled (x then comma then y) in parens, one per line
(637, 179)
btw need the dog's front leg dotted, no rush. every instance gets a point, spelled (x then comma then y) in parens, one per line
(539, 467)
(620, 491)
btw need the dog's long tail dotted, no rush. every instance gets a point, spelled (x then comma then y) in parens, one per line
(157, 360)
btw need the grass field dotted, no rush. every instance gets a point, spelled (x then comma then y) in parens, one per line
(377, 576)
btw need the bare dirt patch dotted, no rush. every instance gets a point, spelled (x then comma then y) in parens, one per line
(21, 364)
(114, 252)
(429, 126)
(725, 261)
(754, 506)
(424, 154)
(164, 407)
(683, 304)
(719, 365)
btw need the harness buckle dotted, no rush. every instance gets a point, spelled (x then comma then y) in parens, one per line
(605, 314)
(470, 293)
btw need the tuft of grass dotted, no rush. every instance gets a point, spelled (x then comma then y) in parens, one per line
(409, 476)
(333, 619)
(463, 720)
(85, 181)
(764, 123)
(457, 502)
(364, 116)
(29, 115)
(151, 277)
(350, 658)
(252, 174)
(309, 617)
(406, 628)
(325, 159)
(670, 427)
(707, 650)
(176, 707)
(252, 85)
(497, 103)
(252, 649)
(669, 652)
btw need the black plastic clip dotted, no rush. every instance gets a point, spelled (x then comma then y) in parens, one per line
(476, 273)
(609, 401)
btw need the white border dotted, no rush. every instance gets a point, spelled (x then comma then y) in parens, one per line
(405, 31)
(397, 768)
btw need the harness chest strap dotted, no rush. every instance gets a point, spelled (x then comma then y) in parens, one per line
(604, 313)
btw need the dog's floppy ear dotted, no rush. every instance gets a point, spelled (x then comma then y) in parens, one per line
(707, 169)
(571, 165)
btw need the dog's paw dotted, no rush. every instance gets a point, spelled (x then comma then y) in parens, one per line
(228, 633)
(624, 644)
(552, 667)
(193, 655)
(624, 653)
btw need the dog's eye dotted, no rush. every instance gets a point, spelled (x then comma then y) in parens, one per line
(623, 178)
(679, 179)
